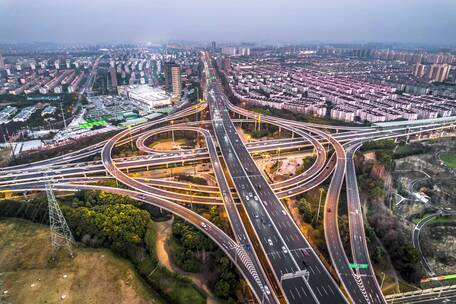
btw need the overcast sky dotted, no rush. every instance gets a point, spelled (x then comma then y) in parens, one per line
(91, 21)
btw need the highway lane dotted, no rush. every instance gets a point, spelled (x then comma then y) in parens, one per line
(96, 148)
(236, 253)
(280, 238)
(239, 230)
(260, 146)
(140, 161)
(360, 252)
(260, 284)
(287, 250)
(357, 288)
(352, 284)
(94, 167)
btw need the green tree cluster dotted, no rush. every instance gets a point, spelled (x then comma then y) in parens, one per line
(227, 280)
(190, 245)
(118, 226)
(195, 249)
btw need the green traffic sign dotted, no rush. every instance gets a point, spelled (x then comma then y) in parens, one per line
(358, 266)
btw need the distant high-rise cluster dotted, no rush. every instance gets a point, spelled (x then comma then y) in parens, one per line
(434, 72)
(2, 62)
(172, 73)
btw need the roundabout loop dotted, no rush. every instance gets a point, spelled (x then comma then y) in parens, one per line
(249, 272)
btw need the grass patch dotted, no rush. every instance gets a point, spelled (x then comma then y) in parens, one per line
(92, 276)
(177, 288)
(449, 159)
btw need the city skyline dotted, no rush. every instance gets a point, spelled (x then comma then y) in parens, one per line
(423, 22)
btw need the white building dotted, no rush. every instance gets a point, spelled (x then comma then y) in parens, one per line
(145, 97)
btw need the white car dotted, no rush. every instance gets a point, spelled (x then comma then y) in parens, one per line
(270, 242)
(284, 212)
(203, 224)
(266, 290)
(255, 198)
(284, 250)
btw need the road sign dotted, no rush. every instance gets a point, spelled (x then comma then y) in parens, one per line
(358, 266)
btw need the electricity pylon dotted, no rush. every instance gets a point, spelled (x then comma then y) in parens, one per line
(61, 236)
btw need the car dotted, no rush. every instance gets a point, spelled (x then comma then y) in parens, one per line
(243, 187)
(203, 224)
(270, 242)
(305, 252)
(284, 212)
(304, 263)
(284, 249)
(265, 203)
(255, 198)
(250, 194)
(255, 215)
(266, 290)
(246, 197)
(259, 186)
(141, 196)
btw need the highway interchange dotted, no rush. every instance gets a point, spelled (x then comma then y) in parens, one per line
(268, 248)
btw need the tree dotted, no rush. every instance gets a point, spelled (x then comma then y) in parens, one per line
(306, 210)
(222, 289)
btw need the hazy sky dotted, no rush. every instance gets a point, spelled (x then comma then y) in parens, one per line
(422, 21)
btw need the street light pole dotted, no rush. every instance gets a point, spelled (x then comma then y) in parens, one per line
(131, 138)
(319, 203)
(172, 131)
